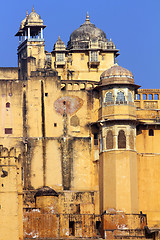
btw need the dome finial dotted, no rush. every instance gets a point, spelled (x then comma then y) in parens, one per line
(27, 14)
(87, 17)
(33, 9)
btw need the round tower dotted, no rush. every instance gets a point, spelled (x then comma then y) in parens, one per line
(118, 156)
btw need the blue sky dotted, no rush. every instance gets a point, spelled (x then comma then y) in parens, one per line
(133, 25)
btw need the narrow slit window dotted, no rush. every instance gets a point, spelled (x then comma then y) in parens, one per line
(95, 139)
(71, 228)
(151, 132)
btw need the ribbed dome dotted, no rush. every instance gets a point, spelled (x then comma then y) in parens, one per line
(85, 33)
(116, 74)
(116, 71)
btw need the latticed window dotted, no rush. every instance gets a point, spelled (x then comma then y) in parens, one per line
(120, 97)
(94, 56)
(109, 97)
(130, 99)
(60, 57)
(109, 140)
(121, 139)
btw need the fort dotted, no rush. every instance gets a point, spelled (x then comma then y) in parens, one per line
(79, 141)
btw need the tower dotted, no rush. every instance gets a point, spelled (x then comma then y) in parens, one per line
(118, 156)
(31, 54)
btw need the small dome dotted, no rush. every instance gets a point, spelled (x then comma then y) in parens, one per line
(86, 32)
(45, 191)
(116, 74)
(33, 16)
(59, 45)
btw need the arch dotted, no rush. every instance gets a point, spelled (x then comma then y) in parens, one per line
(121, 139)
(108, 97)
(109, 140)
(151, 132)
(130, 98)
(120, 97)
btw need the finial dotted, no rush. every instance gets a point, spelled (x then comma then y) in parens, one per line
(110, 40)
(33, 9)
(59, 38)
(27, 13)
(87, 17)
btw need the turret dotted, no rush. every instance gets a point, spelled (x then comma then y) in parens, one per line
(118, 157)
(31, 54)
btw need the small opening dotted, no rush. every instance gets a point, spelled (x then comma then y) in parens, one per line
(7, 105)
(22, 173)
(151, 132)
(138, 96)
(55, 124)
(98, 225)
(96, 139)
(71, 228)
(8, 130)
(78, 208)
(2, 185)
(46, 94)
(64, 102)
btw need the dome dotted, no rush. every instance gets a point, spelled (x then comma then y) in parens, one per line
(116, 74)
(33, 16)
(45, 191)
(85, 33)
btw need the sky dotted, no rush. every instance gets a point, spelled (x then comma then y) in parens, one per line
(133, 26)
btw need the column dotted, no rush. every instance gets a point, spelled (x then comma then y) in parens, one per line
(29, 33)
(25, 35)
(41, 33)
(19, 40)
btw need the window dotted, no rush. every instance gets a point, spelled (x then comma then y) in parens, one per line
(109, 140)
(130, 99)
(8, 130)
(46, 94)
(95, 139)
(101, 143)
(121, 139)
(151, 132)
(120, 97)
(94, 56)
(109, 97)
(7, 105)
(60, 57)
(71, 228)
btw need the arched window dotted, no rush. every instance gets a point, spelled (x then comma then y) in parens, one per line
(120, 97)
(109, 140)
(130, 99)
(7, 105)
(151, 132)
(121, 139)
(109, 97)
